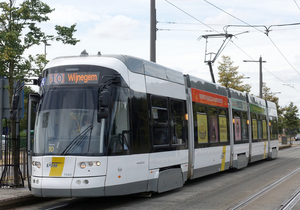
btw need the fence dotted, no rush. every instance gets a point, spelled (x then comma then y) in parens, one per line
(7, 167)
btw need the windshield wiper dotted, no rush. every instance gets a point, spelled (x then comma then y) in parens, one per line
(77, 141)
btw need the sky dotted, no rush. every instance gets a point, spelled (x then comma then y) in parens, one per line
(123, 27)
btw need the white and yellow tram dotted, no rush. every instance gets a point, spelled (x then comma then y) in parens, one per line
(117, 125)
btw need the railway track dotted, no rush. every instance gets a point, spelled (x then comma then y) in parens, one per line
(288, 204)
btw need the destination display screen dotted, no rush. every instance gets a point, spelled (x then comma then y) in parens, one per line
(73, 75)
(73, 78)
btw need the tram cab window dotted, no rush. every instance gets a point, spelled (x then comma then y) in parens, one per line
(119, 128)
(59, 123)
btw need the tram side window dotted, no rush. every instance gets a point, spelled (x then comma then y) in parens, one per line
(223, 125)
(254, 126)
(200, 124)
(178, 124)
(160, 121)
(264, 127)
(259, 127)
(273, 128)
(213, 125)
(244, 123)
(240, 126)
(237, 125)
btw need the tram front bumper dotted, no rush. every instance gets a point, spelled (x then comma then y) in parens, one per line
(68, 187)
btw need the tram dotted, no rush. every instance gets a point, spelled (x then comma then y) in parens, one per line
(111, 125)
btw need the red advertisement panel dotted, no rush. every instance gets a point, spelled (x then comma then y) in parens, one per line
(204, 97)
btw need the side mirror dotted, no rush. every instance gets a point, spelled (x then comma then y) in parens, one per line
(102, 114)
(103, 98)
(103, 105)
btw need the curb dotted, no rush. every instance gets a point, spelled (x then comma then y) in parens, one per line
(16, 200)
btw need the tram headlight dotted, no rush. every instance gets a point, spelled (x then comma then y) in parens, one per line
(82, 165)
(37, 164)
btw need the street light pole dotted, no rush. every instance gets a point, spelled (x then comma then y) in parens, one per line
(46, 44)
(260, 74)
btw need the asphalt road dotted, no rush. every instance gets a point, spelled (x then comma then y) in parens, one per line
(262, 185)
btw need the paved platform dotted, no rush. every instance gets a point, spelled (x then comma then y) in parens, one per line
(10, 196)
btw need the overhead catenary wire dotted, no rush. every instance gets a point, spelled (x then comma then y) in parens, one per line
(285, 83)
(171, 29)
(192, 16)
(297, 4)
(254, 59)
(267, 31)
(284, 56)
(232, 15)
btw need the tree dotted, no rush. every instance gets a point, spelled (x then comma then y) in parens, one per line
(291, 120)
(269, 96)
(19, 31)
(229, 76)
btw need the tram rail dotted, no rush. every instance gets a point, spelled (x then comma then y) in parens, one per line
(291, 201)
(287, 204)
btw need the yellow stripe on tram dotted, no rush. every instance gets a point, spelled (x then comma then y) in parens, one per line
(265, 147)
(57, 166)
(223, 158)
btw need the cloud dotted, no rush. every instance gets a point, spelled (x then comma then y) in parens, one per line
(68, 14)
(117, 27)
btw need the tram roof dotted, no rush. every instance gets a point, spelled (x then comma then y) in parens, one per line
(134, 64)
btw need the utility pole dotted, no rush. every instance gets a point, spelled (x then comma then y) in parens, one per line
(152, 31)
(46, 44)
(260, 74)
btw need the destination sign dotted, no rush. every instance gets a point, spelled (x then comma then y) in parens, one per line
(73, 78)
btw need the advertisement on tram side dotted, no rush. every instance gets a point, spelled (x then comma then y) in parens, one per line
(223, 128)
(202, 128)
(237, 128)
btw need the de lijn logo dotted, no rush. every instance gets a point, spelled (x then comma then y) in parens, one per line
(53, 164)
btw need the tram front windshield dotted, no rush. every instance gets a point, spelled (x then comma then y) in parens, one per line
(67, 124)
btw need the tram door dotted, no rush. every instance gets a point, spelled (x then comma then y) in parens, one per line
(33, 100)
